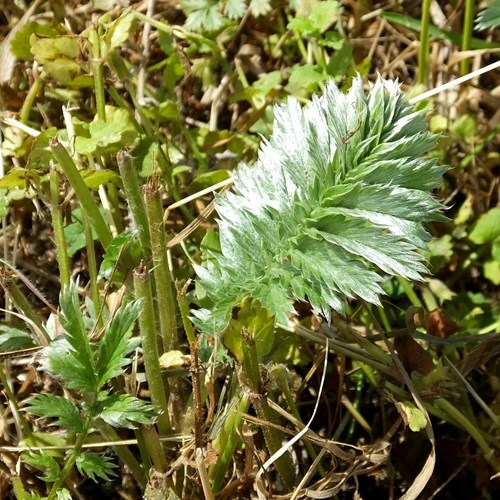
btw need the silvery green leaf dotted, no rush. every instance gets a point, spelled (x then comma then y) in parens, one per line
(337, 199)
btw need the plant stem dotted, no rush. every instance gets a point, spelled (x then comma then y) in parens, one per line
(142, 285)
(82, 192)
(163, 282)
(124, 454)
(250, 380)
(92, 268)
(133, 193)
(30, 99)
(467, 34)
(57, 224)
(227, 438)
(475, 433)
(98, 70)
(71, 459)
(423, 52)
(155, 450)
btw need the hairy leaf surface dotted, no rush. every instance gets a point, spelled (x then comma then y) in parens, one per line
(336, 200)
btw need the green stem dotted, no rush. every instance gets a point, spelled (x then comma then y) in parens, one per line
(163, 282)
(228, 438)
(475, 433)
(155, 450)
(19, 491)
(57, 224)
(82, 192)
(30, 99)
(281, 377)
(423, 52)
(410, 293)
(123, 453)
(71, 459)
(98, 70)
(467, 34)
(11, 397)
(142, 285)
(130, 180)
(92, 268)
(24, 306)
(250, 380)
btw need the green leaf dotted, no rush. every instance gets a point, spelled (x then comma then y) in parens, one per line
(126, 411)
(111, 135)
(322, 16)
(304, 78)
(20, 45)
(202, 14)
(95, 465)
(51, 49)
(412, 416)
(122, 254)
(71, 358)
(118, 32)
(20, 178)
(336, 201)
(491, 271)
(487, 227)
(12, 338)
(95, 178)
(65, 412)
(489, 17)
(43, 462)
(115, 344)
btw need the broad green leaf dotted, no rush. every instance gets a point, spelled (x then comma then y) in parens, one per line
(304, 78)
(65, 412)
(53, 48)
(95, 465)
(95, 178)
(20, 45)
(126, 411)
(256, 321)
(116, 344)
(336, 201)
(12, 338)
(40, 153)
(21, 178)
(111, 135)
(465, 127)
(62, 70)
(489, 17)
(118, 32)
(491, 271)
(412, 416)
(487, 227)
(321, 17)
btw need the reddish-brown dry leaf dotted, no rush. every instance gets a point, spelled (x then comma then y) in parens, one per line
(413, 356)
(438, 324)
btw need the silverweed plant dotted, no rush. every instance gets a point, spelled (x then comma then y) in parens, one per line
(337, 200)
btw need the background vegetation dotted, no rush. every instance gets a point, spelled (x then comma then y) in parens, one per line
(119, 121)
